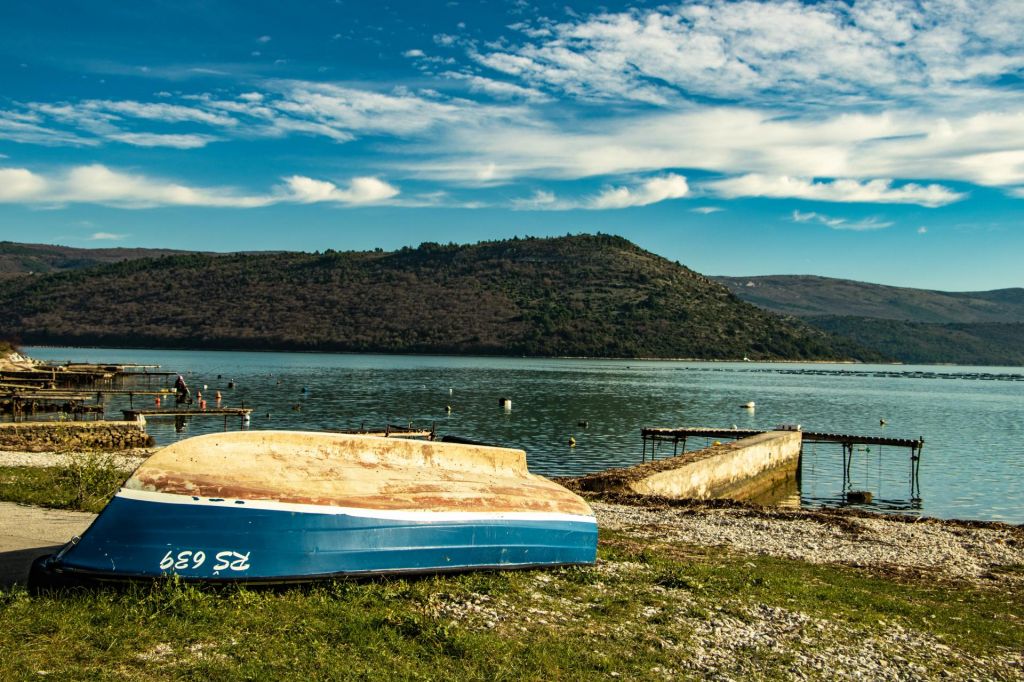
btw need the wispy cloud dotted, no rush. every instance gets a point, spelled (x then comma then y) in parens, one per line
(835, 223)
(106, 236)
(98, 184)
(643, 193)
(707, 210)
(781, 51)
(188, 141)
(841, 190)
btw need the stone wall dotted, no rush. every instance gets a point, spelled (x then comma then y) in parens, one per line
(738, 470)
(71, 436)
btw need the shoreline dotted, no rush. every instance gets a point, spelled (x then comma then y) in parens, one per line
(739, 361)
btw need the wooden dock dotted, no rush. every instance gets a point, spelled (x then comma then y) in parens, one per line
(391, 431)
(132, 415)
(848, 441)
(180, 415)
(681, 434)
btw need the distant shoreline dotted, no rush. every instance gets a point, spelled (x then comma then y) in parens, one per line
(519, 357)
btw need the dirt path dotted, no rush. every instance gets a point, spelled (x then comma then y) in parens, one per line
(27, 532)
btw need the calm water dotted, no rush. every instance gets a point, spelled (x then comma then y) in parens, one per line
(972, 418)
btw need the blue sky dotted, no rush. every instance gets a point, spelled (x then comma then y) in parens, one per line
(880, 141)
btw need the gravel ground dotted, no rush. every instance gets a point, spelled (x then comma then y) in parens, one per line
(952, 550)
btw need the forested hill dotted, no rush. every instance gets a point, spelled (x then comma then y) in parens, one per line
(576, 296)
(807, 295)
(911, 325)
(23, 259)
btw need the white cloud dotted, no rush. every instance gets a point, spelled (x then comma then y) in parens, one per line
(880, 191)
(788, 51)
(106, 236)
(360, 191)
(840, 223)
(498, 89)
(922, 230)
(707, 210)
(651, 191)
(98, 184)
(263, 39)
(101, 185)
(412, 54)
(19, 183)
(644, 193)
(163, 140)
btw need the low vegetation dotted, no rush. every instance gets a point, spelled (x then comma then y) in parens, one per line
(644, 612)
(586, 295)
(649, 610)
(85, 482)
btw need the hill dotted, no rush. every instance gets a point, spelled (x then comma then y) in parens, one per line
(912, 325)
(24, 259)
(577, 296)
(810, 296)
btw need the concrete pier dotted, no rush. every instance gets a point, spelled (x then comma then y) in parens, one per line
(739, 470)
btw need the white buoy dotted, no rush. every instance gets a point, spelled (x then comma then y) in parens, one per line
(749, 405)
(450, 391)
(505, 403)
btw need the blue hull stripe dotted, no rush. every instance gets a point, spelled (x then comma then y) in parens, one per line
(145, 538)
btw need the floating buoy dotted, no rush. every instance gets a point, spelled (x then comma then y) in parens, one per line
(202, 404)
(158, 401)
(506, 403)
(304, 389)
(882, 422)
(450, 391)
(449, 409)
(749, 405)
(231, 384)
(204, 387)
(583, 423)
(218, 396)
(572, 442)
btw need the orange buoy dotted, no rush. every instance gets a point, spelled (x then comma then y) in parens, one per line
(158, 401)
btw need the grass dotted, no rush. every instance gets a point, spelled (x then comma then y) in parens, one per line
(642, 613)
(86, 482)
(647, 611)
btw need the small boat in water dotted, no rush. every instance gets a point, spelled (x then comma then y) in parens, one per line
(283, 506)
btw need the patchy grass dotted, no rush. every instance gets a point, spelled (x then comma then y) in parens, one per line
(648, 610)
(644, 612)
(85, 483)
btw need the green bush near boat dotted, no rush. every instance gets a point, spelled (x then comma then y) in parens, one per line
(84, 482)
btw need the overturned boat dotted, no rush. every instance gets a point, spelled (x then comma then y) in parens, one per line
(283, 506)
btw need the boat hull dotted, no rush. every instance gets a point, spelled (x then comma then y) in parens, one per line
(144, 536)
(293, 506)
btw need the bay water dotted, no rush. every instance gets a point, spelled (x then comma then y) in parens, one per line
(972, 418)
